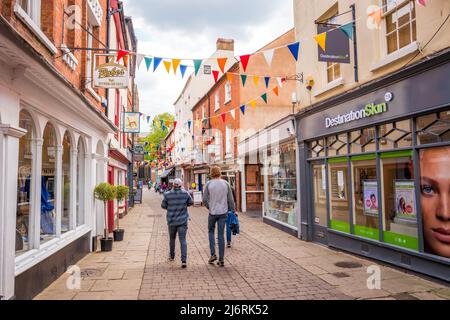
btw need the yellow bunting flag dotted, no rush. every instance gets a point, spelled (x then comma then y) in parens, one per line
(222, 62)
(253, 104)
(167, 64)
(175, 63)
(213, 121)
(256, 80)
(321, 40)
(230, 77)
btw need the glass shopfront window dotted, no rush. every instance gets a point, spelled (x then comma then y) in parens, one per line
(282, 184)
(24, 186)
(66, 185)
(48, 213)
(339, 195)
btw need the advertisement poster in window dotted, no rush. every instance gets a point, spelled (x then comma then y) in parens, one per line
(370, 198)
(435, 199)
(404, 200)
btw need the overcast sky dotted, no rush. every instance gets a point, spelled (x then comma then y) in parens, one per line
(190, 28)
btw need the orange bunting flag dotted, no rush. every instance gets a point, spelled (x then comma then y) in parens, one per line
(256, 80)
(376, 14)
(175, 63)
(275, 90)
(230, 77)
(167, 64)
(222, 62)
(213, 121)
(321, 40)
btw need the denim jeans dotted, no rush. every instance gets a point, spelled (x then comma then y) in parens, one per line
(221, 220)
(230, 216)
(182, 231)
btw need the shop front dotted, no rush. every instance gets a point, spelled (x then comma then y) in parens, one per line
(376, 178)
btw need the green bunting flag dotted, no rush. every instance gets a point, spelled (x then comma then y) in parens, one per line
(264, 97)
(197, 65)
(348, 30)
(244, 79)
(148, 62)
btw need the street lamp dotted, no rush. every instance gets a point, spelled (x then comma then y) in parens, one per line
(294, 101)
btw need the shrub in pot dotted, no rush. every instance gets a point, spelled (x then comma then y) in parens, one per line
(121, 194)
(105, 192)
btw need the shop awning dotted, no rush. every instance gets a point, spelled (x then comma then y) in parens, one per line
(167, 172)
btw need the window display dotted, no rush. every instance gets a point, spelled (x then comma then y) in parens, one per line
(435, 199)
(282, 193)
(24, 183)
(48, 213)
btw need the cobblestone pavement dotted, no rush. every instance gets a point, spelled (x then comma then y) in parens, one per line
(263, 263)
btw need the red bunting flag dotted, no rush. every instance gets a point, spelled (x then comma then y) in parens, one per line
(121, 54)
(175, 124)
(244, 61)
(216, 75)
(223, 115)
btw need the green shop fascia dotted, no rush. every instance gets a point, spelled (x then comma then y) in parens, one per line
(376, 163)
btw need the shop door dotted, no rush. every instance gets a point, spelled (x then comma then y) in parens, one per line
(319, 203)
(111, 203)
(254, 183)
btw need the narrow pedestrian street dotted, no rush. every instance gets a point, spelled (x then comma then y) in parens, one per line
(263, 263)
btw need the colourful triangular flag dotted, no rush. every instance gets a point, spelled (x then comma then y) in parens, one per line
(244, 79)
(264, 97)
(175, 124)
(197, 65)
(183, 70)
(148, 62)
(376, 15)
(267, 80)
(148, 119)
(167, 123)
(268, 54)
(214, 121)
(294, 48)
(167, 64)
(256, 80)
(348, 30)
(253, 104)
(175, 64)
(280, 82)
(224, 116)
(233, 114)
(215, 75)
(276, 91)
(243, 109)
(121, 54)
(139, 59)
(244, 61)
(189, 124)
(230, 77)
(156, 62)
(321, 40)
(222, 62)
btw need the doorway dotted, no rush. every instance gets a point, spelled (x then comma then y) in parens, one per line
(110, 203)
(319, 204)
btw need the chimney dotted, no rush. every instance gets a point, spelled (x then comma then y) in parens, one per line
(225, 44)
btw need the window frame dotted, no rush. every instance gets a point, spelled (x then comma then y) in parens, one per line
(228, 93)
(216, 102)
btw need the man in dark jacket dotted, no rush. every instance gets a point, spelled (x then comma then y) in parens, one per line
(176, 203)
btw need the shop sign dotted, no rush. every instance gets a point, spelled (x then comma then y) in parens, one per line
(132, 122)
(370, 110)
(138, 148)
(338, 46)
(110, 75)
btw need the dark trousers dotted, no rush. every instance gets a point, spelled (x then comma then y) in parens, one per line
(182, 231)
(221, 221)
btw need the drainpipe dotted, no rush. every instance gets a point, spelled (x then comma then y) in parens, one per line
(108, 20)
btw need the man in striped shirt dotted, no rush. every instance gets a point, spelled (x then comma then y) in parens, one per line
(176, 203)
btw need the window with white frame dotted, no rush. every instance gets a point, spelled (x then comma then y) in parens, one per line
(89, 58)
(216, 102)
(333, 68)
(227, 92)
(33, 9)
(229, 140)
(400, 16)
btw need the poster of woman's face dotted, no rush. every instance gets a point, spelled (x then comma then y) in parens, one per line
(435, 199)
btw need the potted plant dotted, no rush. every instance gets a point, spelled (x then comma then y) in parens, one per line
(105, 192)
(121, 194)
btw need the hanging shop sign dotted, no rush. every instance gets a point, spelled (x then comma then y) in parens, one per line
(337, 48)
(110, 75)
(131, 122)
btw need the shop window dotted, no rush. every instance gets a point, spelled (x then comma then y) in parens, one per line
(24, 185)
(337, 145)
(400, 19)
(81, 185)
(399, 203)
(320, 195)
(435, 199)
(365, 197)
(66, 184)
(48, 213)
(363, 141)
(282, 193)
(396, 135)
(339, 197)
(433, 128)
(317, 149)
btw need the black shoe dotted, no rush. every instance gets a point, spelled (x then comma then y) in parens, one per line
(171, 259)
(212, 259)
(221, 263)
(184, 265)
(229, 245)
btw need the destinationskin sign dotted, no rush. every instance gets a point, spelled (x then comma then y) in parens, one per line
(369, 110)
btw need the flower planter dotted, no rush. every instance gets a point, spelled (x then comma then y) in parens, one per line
(118, 234)
(106, 244)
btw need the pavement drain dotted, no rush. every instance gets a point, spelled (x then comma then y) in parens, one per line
(341, 275)
(88, 273)
(348, 265)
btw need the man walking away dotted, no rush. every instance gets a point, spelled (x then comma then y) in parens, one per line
(176, 203)
(218, 199)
